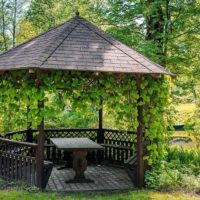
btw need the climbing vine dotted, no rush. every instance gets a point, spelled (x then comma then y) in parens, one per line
(19, 98)
(155, 99)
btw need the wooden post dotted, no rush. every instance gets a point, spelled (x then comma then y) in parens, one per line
(100, 134)
(29, 133)
(40, 141)
(101, 119)
(140, 140)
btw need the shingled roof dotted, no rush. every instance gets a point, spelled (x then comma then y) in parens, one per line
(78, 45)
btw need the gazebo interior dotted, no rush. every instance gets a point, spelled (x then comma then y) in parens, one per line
(77, 46)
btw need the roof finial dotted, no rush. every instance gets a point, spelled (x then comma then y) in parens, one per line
(77, 13)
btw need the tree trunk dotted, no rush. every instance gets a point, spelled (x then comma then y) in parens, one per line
(3, 25)
(155, 28)
(14, 22)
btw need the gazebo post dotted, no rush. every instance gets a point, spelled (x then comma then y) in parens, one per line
(100, 134)
(29, 134)
(101, 119)
(140, 140)
(40, 140)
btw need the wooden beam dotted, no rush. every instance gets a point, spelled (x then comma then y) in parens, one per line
(140, 140)
(156, 75)
(2, 72)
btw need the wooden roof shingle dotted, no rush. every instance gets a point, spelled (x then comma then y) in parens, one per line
(78, 45)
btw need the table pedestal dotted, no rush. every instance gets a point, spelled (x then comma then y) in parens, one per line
(79, 166)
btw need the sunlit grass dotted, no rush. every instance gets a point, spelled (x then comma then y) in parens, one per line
(133, 195)
(184, 112)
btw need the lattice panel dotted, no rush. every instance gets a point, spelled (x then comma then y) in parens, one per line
(119, 138)
(92, 134)
(119, 135)
(119, 145)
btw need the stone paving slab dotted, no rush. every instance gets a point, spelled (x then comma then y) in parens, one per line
(105, 178)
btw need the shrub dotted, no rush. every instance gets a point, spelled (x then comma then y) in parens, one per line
(190, 182)
(163, 179)
(185, 159)
(180, 170)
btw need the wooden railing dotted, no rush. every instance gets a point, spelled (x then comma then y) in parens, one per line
(118, 145)
(18, 161)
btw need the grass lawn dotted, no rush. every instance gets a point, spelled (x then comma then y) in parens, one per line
(184, 112)
(133, 195)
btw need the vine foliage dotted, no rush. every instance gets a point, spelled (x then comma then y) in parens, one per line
(19, 98)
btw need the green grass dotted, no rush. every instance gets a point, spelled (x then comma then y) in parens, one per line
(184, 112)
(133, 195)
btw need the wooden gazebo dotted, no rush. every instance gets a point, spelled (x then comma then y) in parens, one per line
(76, 45)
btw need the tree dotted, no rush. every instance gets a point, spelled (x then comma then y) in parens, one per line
(17, 8)
(45, 14)
(155, 21)
(3, 25)
(11, 12)
(26, 31)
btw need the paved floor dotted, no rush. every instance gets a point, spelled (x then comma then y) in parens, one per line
(105, 178)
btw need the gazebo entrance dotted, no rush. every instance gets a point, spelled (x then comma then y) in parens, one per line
(75, 52)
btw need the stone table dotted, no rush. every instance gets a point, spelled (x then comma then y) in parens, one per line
(80, 148)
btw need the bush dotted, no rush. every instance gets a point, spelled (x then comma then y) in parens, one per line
(190, 182)
(186, 160)
(163, 179)
(180, 170)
